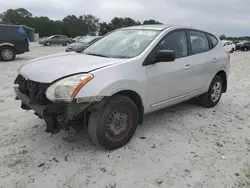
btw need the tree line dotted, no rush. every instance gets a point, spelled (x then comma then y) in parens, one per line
(70, 26)
(73, 26)
(224, 37)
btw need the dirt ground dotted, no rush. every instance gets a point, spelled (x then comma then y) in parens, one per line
(182, 146)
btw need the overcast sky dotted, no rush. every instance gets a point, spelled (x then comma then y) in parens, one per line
(230, 17)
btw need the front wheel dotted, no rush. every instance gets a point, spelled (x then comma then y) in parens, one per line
(114, 124)
(48, 43)
(67, 43)
(245, 49)
(212, 97)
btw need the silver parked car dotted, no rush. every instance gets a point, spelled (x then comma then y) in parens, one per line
(128, 73)
(56, 39)
(82, 44)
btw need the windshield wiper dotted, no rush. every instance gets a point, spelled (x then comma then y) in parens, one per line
(99, 55)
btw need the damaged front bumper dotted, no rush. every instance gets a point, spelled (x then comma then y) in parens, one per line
(58, 116)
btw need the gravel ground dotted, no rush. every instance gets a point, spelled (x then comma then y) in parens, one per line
(182, 146)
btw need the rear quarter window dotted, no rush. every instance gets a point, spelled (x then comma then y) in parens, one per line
(214, 41)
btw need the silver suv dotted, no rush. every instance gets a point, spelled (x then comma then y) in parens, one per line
(128, 73)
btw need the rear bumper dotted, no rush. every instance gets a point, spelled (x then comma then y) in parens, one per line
(21, 48)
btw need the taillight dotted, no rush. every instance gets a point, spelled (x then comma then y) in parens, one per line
(228, 54)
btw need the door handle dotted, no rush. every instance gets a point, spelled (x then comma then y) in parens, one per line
(188, 66)
(214, 60)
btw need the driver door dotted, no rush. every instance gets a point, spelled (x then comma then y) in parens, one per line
(168, 82)
(55, 40)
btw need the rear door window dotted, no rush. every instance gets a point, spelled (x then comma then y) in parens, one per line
(199, 42)
(11, 33)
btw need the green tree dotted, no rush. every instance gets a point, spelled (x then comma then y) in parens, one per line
(147, 22)
(103, 28)
(16, 16)
(222, 37)
(92, 24)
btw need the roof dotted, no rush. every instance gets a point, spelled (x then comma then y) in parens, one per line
(10, 25)
(158, 27)
(26, 27)
(6, 25)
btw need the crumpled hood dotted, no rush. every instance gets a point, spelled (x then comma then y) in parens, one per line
(50, 68)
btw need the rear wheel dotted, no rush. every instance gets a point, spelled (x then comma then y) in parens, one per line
(212, 97)
(232, 50)
(7, 53)
(113, 125)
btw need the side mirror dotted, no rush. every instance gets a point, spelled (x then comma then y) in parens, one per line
(165, 56)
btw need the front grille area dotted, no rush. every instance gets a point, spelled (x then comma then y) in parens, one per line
(34, 90)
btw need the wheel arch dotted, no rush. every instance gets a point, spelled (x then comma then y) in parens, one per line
(223, 75)
(135, 97)
(8, 45)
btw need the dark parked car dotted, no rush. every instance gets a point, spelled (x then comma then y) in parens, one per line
(76, 39)
(244, 46)
(56, 39)
(82, 44)
(13, 40)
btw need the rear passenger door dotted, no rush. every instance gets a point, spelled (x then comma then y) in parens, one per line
(204, 59)
(62, 39)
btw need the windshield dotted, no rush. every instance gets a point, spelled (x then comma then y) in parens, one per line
(122, 43)
(87, 39)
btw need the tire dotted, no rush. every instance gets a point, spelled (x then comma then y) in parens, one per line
(245, 49)
(67, 43)
(212, 97)
(101, 122)
(232, 50)
(7, 53)
(48, 43)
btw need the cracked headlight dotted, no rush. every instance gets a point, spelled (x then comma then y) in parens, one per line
(67, 88)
